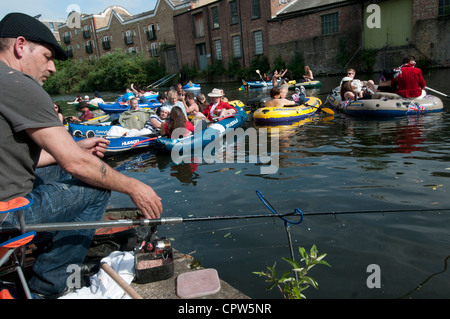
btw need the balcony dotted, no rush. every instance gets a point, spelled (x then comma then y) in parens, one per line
(86, 34)
(151, 35)
(89, 49)
(106, 45)
(66, 39)
(128, 40)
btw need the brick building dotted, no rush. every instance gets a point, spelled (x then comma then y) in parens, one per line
(331, 34)
(89, 36)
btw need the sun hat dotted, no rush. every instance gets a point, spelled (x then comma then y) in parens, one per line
(215, 93)
(164, 108)
(17, 24)
(346, 79)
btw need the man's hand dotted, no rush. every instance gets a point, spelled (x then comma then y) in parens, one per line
(95, 145)
(146, 200)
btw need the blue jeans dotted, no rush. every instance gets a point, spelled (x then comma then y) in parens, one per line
(58, 197)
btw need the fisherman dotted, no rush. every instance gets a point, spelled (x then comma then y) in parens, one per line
(66, 181)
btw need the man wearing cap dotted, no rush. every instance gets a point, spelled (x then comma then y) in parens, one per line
(217, 107)
(66, 181)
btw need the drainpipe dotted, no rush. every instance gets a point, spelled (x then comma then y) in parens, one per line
(139, 33)
(94, 32)
(242, 35)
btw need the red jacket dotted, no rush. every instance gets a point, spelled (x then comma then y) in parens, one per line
(219, 107)
(409, 81)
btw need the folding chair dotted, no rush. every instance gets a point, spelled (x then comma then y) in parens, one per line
(10, 248)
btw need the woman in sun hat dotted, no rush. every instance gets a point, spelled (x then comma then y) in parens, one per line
(217, 107)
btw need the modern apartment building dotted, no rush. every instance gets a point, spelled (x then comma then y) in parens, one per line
(89, 36)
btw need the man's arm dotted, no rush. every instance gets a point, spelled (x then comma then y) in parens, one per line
(82, 164)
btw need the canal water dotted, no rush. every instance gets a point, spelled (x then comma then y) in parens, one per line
(398, 167)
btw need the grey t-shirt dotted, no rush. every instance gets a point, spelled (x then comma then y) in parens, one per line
(24, 104)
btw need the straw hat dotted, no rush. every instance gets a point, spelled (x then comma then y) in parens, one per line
(215, 93)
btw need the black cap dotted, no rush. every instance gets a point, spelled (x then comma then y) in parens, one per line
(16, 24)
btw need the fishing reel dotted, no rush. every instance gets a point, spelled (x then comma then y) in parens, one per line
(159, 248)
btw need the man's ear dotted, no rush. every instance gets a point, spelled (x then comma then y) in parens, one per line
(19, 46)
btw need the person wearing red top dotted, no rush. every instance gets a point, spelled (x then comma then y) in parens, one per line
(409, 81)
(217, 108)
(176, 123)
(87, 114)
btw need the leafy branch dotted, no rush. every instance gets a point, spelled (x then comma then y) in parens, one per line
(293, 282)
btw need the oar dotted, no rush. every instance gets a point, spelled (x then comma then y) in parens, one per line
(324, 109)
(435, 91)
(257, 71)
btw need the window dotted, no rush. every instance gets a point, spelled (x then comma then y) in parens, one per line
(105, 43)
(215, 17)
(128, 37)
(330, 23)
(256, 9)
(88, 47)
(198, 23)
(233, 12)
(66, 38)
(236, 46)
(154, 49)
(258, 38)
(444, 7)
(218, 49)
(86, 33)
(151, 33)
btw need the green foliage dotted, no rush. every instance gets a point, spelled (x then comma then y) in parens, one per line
(278, 63)
(297, 65)
(342, 57)
(292, 283)
(215, 69)
(368, 59)
(113, 72)
(261, 63)
(190, 72)
(235, 69)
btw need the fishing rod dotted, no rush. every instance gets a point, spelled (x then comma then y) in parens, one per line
(177, 220)
(130, 222)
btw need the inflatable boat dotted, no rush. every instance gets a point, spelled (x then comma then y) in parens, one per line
(384, 104)
(309, 84)
(287, 114)
(202, 138)
(191, 87)
(118, 107)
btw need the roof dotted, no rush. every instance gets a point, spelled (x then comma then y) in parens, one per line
(306, 5)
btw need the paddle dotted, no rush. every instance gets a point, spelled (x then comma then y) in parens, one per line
(257, 71)
(435, 91)
(324, 109)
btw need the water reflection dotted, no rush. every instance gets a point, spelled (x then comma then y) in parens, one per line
(326, 164)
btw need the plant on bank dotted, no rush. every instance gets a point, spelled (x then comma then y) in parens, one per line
(293, 282)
